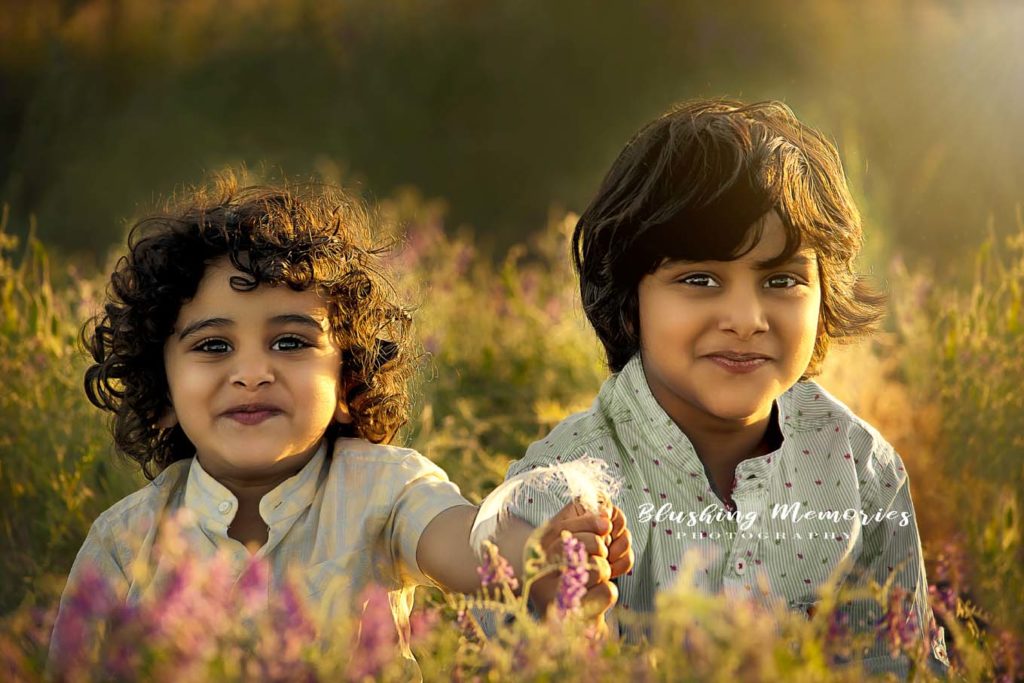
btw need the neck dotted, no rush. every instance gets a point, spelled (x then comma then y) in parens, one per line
(732, 444)
(721, 448)
(248, 526)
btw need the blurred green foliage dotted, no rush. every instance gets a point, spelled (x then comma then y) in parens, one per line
(507, 350)
(501, 108)
(964, 350)
(507, 354)
(56, 469)
(504, 109)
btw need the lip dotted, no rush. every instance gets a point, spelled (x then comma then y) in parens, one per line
(252, 413)
(738, 363)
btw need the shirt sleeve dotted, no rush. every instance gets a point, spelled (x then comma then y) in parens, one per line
(424, 492)
(892, 557)
(98, 581)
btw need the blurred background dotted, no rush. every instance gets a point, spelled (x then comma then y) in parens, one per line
(479, 130)
(503, 109)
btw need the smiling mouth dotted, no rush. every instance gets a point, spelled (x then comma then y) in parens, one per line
(252, 415)
(738, 363)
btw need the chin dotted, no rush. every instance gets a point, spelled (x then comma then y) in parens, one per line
(736, 412)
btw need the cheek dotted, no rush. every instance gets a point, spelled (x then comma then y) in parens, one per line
(806, 324)
(322, 391)
(660, 317)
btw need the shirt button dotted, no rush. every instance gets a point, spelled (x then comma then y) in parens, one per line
(224, 507)
(741, 567)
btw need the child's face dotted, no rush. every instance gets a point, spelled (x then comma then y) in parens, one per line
(253, 376)
(721, 340)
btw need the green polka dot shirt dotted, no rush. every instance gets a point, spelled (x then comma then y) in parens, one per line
(833, 498)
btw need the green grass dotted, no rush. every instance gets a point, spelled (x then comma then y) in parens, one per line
(507, 356)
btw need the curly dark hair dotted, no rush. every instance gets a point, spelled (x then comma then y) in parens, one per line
(302, 236)
(693, 185)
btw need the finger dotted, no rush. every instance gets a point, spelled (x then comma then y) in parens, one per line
(600, 598)
(571, 510)
(589, 522)
(575, 508)
(600, 571)
(618, 522)
(620, 546)
(593, 544)
(622, 565)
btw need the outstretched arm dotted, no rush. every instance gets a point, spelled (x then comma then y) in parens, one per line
(445, 555)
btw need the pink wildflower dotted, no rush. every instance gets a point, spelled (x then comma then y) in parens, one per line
(422, 623)
(377, 635)
(253, 586)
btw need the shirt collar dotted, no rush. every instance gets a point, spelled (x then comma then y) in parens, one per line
(659, 431)
(664, 436)
(215, 505)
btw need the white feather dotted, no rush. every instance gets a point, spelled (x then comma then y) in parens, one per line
(587, 480)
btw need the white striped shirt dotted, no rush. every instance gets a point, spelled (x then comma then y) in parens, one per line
(835, 493)
(354, 515)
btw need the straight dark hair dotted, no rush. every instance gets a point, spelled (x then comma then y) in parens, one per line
(694, 184)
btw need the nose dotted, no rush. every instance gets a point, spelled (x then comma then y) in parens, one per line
(743, 313)
(252, 370)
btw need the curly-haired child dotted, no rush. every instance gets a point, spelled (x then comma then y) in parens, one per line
(716, 265)
(255, 362)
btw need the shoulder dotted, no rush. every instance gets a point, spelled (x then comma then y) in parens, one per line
(807, 406)
(810, 408)
(139, 513)
(391, 463)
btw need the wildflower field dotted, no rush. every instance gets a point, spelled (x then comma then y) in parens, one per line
(505, 356)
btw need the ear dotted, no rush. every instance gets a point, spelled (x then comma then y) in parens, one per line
(168, 419)
(342, 414)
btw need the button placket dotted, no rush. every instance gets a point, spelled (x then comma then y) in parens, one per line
(744, 549)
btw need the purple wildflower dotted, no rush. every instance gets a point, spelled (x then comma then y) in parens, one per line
(463, 259)
(572, 585)
(495, 570)
(87, 606)
(292, 618)
(1006, 656)
(898, 626)
(837, 636)
(838, 626)
(943, 597)
(950, 579)
(293, 631)
(254, 586)
(377, 635)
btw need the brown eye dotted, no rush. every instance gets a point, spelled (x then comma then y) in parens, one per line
(290, 344)
(781, 282)
(699, 280)
(212, 346)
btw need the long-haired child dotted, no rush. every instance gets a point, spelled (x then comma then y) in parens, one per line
(255, 360)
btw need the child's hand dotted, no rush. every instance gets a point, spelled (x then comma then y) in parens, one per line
(594, 531)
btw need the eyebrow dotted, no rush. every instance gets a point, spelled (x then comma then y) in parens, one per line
(795, 260)
(294, 318)
(799, 259)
